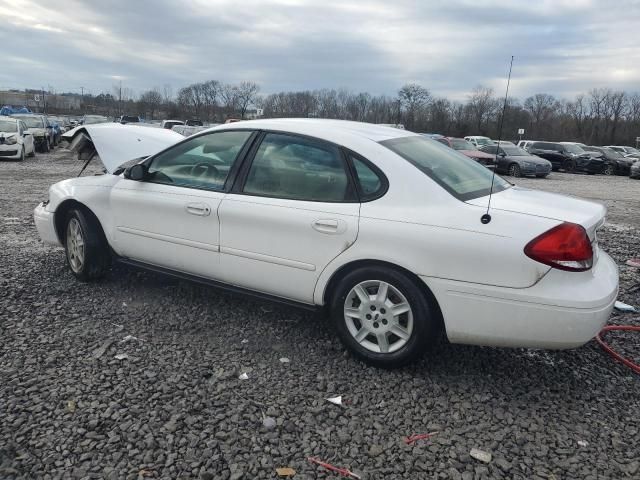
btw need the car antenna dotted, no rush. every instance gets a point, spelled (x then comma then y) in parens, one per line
(486, 218)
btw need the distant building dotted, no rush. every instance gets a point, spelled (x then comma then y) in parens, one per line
(35, 101)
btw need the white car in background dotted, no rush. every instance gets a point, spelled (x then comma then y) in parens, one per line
(628, 152)
(16, 142)
(384, 227)
(479, 141)
(169, 124)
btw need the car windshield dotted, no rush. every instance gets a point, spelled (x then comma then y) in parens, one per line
(460, 144)
(130, 119)
(514, 151)
(610, 152)
(8, 125)
(457, 174)
(33, 122)
(484, 141)
(635, 151)
(571, 148)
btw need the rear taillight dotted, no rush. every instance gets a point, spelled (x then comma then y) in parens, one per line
(566, 247)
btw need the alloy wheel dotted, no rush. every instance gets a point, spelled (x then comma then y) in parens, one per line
(514, 170)
(75, 245)
(609, 170)
(378, 316)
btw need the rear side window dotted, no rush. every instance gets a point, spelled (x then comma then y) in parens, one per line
(371, 183)
(298, 168)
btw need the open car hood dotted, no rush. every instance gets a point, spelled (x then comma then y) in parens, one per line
(116, 144)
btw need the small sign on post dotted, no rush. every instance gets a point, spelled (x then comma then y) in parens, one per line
(36, 98)
(521, 131)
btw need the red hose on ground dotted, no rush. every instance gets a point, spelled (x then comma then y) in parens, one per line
(629, 328)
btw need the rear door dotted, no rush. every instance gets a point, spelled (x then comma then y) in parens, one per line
(293, 210)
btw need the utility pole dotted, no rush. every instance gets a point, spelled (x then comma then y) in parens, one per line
(81, 98)
(120, 100)
(44, 102)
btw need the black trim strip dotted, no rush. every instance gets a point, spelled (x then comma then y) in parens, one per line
(217, 285)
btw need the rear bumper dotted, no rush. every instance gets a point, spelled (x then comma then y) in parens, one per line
(563, 310)
(45, 225)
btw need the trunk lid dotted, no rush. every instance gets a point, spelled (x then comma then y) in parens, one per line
(590, 215)
(116, 144)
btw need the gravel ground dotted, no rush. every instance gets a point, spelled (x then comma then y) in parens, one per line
(175, 408)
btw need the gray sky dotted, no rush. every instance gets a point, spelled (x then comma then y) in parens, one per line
(561, 47)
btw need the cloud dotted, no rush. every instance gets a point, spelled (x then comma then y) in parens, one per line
(560, 47)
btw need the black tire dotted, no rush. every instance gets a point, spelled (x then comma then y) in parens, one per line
(514, 170)
(542, 175)
(22, 156)
(46, 148)
(96, 249)
(569, 166)
(425, 317)
(609, 169)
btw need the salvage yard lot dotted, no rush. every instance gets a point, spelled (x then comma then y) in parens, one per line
(175, 407)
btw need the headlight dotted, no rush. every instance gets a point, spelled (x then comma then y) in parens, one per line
(10, 140)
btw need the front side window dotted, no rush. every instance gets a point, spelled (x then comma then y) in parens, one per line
(201, 162)
(297, 168)
(568, 147)
(457, 174)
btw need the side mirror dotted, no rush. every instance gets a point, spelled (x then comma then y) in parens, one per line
(137, 172)
(24, 134)
(502, 154)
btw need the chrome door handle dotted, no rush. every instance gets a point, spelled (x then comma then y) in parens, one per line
(201, 209)
(326, 225)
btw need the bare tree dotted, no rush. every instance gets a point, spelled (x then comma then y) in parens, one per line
(412, 98)
(482, 107)
(150, 102)
(246, 95)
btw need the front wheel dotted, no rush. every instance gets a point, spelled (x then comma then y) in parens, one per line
(569, 166)
(514, 170)
(85, 246)
(383, 317)
(46, 147)
(609, 169)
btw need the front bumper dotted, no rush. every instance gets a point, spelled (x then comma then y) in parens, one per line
(10, 152)
(45, 225)
(562, 310)
(536, 169)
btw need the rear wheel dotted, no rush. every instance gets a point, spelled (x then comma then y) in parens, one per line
(85, 245)
(609, 169)
(383, 317)
(514, 170)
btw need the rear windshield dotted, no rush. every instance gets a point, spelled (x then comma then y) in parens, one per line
(457, 174)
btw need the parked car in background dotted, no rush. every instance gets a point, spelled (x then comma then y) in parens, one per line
(124, 119)
(434, 136)
(39, 127)
(526, 143)
(635, 170)
(63, 122)
(194, 122)
(93, 119)
(56, 131)
(362, 219)
(517, 162)
(16, 142)
(468, 149)
(169, 124)
(187, 131)
(504, 143)
(567, 156)
(626, 151)
(615, 162)
(479, 141)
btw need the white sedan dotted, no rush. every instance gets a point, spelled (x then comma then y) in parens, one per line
(381, 226)
(16, 142)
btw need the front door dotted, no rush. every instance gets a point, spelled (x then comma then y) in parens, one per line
(294, 211)
(170, 219)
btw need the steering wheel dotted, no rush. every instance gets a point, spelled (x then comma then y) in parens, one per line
(204, 169)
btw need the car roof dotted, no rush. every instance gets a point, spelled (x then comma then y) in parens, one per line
(322, 128)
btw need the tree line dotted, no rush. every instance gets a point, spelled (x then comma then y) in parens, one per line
(599, 116)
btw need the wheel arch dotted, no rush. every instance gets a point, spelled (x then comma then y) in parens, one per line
(330, 286)
(61, 214)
